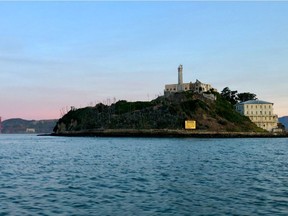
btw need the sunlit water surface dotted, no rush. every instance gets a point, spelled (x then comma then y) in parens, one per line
(131, 176)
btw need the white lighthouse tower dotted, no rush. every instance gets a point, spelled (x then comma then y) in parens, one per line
(180, 78)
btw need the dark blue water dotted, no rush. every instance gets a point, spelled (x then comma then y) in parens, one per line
(130, 176)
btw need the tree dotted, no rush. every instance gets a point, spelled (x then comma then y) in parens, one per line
(234, 98)
(229, 95)
(242, 97)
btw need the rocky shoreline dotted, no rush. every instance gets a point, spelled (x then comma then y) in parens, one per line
(167, 133)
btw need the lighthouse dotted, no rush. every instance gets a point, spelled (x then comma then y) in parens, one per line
(180, 78)
(198, 86)
(180, 75)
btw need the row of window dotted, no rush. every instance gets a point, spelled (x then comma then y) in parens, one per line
(255, 118)
(260, 112)
(261, 106)
(174, 89)
(171, 89)
(265, 125)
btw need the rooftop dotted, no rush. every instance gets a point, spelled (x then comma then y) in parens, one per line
(255, 102)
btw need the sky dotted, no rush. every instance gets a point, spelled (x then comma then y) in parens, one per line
(54, 55)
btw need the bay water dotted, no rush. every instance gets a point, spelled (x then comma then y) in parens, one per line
(142, 176)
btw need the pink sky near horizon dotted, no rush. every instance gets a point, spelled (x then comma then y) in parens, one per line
(40, 109)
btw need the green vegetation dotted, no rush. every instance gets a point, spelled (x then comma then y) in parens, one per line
(225, 110)
(162, 113)
(233, 97)
(125, 107)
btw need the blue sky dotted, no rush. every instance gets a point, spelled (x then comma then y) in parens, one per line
(54, 55)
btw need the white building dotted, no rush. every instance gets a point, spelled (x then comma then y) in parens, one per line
(30, 130)
(180, 86)
(259, 112)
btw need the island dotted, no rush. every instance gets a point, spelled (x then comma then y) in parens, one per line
(164, 116)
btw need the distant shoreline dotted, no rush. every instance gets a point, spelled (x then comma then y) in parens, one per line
(166, 133)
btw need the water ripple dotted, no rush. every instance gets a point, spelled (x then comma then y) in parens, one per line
(127, 176)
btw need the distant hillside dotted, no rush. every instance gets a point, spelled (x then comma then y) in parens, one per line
(161, 113)
(18, 125)
(284, 121)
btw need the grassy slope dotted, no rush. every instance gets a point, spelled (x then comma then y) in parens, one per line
(161, 113)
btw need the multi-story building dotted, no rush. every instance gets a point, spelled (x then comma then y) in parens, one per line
(260, 112)
(180, 86)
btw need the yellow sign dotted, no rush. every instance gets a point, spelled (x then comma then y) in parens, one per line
(189, 124)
